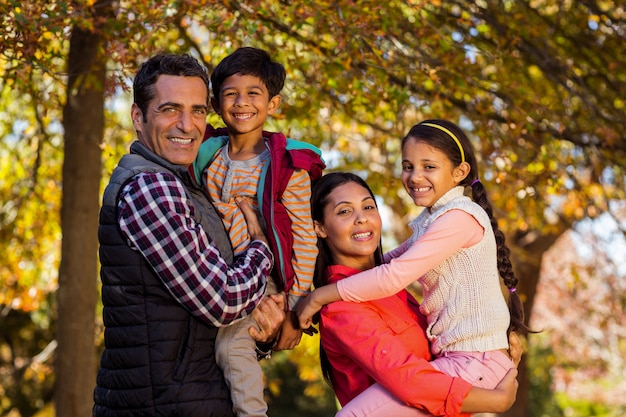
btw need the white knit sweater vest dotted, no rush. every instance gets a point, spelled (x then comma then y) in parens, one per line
(463, 300)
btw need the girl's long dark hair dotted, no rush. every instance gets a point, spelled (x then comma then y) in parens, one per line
(319, 199)
(441, 140)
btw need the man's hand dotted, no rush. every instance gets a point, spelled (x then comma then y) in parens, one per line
(252, 219)
(269, 315)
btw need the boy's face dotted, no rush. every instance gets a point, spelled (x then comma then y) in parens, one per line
(244, 104)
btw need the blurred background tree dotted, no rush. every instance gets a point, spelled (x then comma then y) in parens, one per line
(539, 86)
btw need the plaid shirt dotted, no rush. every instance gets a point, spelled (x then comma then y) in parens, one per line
(156, 217)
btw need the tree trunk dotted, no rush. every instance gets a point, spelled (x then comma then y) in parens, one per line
(528, 250)
(83, 120)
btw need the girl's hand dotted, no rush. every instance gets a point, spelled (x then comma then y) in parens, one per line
(314, 302)
(306, 309)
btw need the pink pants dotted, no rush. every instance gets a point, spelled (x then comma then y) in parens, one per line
(481, 369)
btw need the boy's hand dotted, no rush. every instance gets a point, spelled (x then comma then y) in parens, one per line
(290, 334)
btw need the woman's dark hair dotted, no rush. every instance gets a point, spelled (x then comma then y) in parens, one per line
(454, 143)
(319, 199)
(183, 65)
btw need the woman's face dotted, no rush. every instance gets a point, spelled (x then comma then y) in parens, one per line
(351, 226)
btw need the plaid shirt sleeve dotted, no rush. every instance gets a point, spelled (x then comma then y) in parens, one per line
(156, 217)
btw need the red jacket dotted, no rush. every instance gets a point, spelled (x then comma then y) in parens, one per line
(384, 341)
(286, 155)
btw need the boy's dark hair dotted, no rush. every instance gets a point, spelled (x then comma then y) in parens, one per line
(249, 61)
(164, 64)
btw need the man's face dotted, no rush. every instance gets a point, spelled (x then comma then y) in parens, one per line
(174, 124)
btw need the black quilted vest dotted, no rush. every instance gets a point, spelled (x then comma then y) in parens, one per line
(158, 360)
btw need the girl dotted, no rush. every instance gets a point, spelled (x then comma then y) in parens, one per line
(376, 346)
(456, 252)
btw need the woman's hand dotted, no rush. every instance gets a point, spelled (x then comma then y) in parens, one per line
(497, 400)
(515, 348)
(508, 390)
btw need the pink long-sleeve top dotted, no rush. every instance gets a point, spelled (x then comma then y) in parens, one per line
(452, 231)
(453, 254)
(384, 341)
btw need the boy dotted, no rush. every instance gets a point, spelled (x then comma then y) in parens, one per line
(275, 175)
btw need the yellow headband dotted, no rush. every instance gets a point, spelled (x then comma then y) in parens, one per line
(443, 129)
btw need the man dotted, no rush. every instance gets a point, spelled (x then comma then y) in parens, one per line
(168, 274)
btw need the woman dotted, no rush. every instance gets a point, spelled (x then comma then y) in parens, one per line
(381, 344)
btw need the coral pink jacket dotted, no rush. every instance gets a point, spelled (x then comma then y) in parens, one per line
(384, 341)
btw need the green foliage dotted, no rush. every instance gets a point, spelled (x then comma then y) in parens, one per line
(585, 408)
(30, 184)
(26, 374)
(547, 401)
(30, 171)
(583, 353)
(540, 364)
(294, 382)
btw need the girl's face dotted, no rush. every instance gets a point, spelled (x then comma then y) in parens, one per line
(351, 226)
(427, 173)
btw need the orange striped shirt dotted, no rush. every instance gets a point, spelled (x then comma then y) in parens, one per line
(224, 179)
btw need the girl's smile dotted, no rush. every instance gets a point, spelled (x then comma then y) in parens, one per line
(427, 173)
